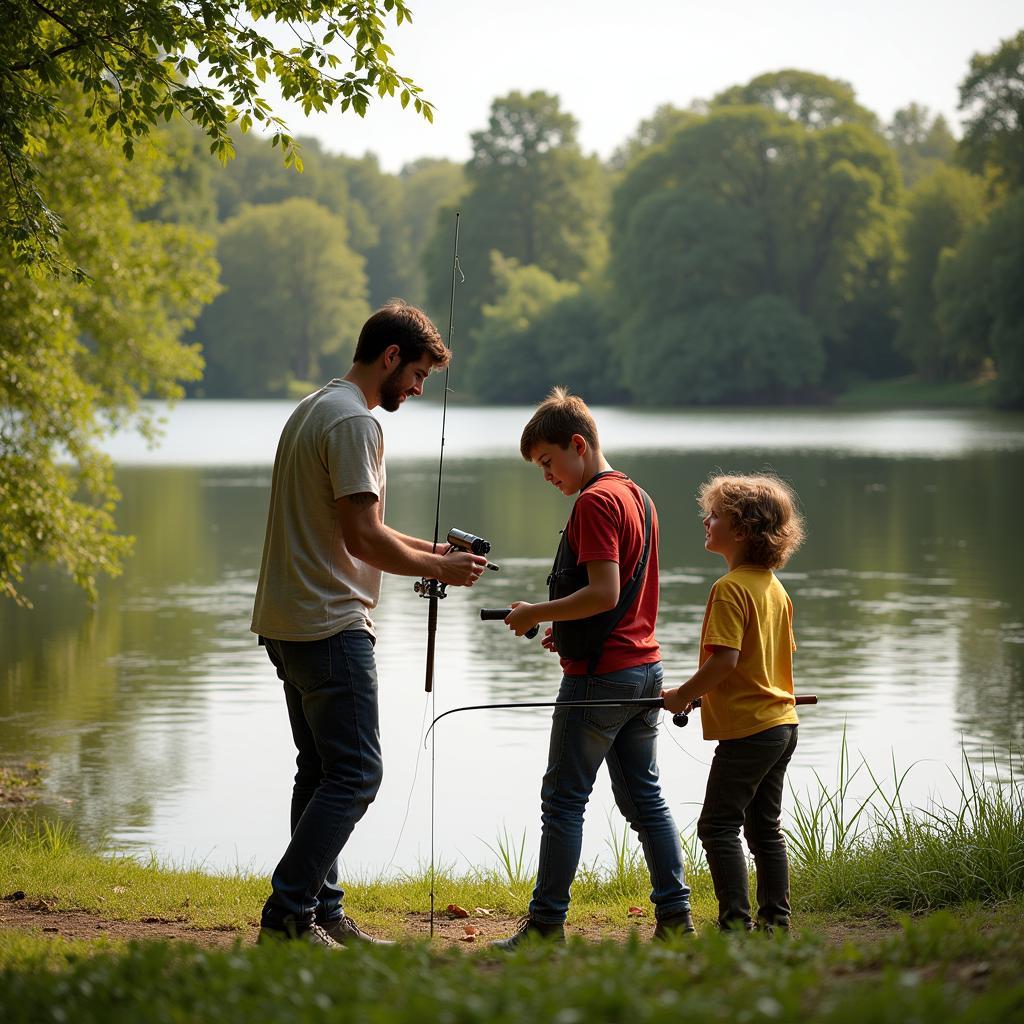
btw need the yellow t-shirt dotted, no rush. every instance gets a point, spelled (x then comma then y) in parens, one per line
(749, 611)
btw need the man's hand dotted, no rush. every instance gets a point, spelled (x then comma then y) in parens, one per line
(461, 568)
(548, 641)
(522, 618)
(673, 703)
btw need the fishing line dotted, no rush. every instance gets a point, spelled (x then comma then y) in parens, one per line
(420, 747)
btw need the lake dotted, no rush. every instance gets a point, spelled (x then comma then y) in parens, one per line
(162, 724)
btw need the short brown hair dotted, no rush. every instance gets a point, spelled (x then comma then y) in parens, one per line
(763, 511)
(398, 323)
(557, 418)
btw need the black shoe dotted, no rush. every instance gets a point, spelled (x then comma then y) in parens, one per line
(345, 931)
(314, 935)
(774, 929)
(673, 926)
(529, 930)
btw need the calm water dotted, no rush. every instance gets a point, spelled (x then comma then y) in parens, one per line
(163, 726)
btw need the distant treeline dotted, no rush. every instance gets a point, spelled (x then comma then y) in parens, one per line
(776, 243)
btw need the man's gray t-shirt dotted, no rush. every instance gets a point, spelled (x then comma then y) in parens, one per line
(311, 586)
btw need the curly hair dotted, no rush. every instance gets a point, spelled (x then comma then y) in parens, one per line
(555, 420)
(762, 510)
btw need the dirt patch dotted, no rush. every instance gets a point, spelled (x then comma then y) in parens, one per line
(476, 931)
(36, 916)
(45, 919)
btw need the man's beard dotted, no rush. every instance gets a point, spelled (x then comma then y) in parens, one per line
(391, 390)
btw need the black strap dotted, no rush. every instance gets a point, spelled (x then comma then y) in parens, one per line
(629, 593)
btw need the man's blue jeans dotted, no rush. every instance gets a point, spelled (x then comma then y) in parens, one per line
(330, 687)
(626, 739)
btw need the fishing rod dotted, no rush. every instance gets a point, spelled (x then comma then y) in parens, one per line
(679, 719)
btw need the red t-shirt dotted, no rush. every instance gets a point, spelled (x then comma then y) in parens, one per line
(607, 525)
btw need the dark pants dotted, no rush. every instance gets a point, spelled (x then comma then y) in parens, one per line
(745, 789)
(624, 738)
(330, 687)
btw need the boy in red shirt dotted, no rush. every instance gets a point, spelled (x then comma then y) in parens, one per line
(603, 607)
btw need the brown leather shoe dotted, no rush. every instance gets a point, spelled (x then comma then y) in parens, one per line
(345, 931)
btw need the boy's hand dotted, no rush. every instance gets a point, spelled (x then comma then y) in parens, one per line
(521, 619)
(673, 703)
(547, 641)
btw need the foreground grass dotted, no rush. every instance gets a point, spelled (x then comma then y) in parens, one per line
(851, 857)
(962, 968)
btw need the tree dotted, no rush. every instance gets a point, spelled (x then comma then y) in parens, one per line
(138, 64)
(992, 98)
(541, 332)
(744, 204)
(293, 292)
(922, 142)
(941, 208)
(507, 364)
(814, 101)
(256, 177)
(428, 185)
(531, 195)
(76, 358)
(652, 131)
(981, 302)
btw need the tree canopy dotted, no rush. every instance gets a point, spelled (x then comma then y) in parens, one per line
(77, 357)
(941, 208)
(992, 99)
(140, 64)
(745, 206)
(531, 195)
(815, 101)
(293, 292)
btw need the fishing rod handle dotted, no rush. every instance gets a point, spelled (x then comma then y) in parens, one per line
(500, 615)
(681, 718)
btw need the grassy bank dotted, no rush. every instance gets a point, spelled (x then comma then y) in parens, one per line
(863, 870)
(913, 393)
(850, 854)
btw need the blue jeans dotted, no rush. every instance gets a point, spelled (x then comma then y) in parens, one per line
(626, 739)
(330, 687)
(745, 791)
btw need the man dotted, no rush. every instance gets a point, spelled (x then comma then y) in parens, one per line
(325, 549)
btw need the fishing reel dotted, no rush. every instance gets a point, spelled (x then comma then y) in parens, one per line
(464, 542)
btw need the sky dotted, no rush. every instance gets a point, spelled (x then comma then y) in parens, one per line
(613, 64)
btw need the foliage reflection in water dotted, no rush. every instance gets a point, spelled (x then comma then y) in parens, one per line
(162, 723)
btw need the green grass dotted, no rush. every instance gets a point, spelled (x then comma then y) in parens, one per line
(854, 855)
(946, 968)
(912, 392)
(875, 855)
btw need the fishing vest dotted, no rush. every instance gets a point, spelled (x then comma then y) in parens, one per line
(584, 639)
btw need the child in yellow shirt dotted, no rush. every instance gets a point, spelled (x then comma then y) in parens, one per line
(745, 682)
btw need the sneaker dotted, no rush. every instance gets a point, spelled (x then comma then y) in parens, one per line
(673, 926)
(529, 930)
(314, 935)
(344, 931)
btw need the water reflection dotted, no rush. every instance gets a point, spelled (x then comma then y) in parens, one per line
(163, 727)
